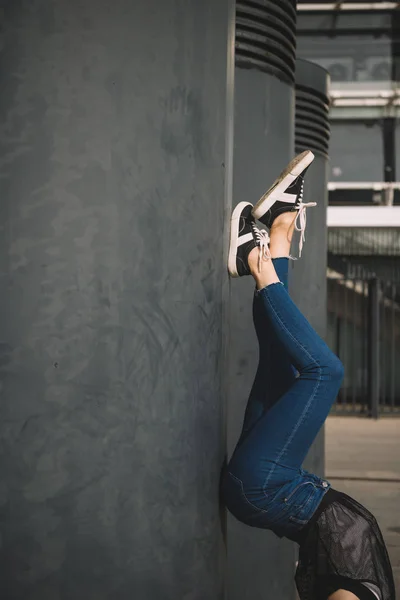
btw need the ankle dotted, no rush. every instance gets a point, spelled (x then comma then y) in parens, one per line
(252, 260)
(283, 221)
(262, 270)
(265, 278)
(281, 234)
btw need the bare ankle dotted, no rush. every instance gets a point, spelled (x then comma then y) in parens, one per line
(281, 234)
(285, 220)
(252, 259)
(262, 270)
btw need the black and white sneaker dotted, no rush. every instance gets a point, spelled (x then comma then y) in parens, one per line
(286, 195)
(244, 237)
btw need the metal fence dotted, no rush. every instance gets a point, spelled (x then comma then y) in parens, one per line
(364, 331)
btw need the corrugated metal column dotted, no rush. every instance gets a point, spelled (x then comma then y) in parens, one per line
(307, 278)
(259, 564)
(112, 268)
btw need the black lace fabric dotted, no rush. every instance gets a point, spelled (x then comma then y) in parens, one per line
(344, 543)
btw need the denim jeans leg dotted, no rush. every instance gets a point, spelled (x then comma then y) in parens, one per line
(275, 373)
(284, 434)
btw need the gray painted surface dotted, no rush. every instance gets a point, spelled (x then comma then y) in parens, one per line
(260, 565)
(312, 76)
(112, 221)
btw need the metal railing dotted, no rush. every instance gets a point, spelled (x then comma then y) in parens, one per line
(364, 331)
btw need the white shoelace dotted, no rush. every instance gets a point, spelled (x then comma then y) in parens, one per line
(263, 242)
(302, 217)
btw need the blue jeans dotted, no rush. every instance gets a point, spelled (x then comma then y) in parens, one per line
(297, 380)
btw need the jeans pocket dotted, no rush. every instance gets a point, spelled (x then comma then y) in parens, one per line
(300, 501)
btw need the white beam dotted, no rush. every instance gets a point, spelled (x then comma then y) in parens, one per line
(355, 102)
(350, 113)
(358, 92)
(377, 186)
(363, 216)
(330, 6)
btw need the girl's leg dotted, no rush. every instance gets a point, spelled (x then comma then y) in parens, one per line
(275, 373)
(284, 434)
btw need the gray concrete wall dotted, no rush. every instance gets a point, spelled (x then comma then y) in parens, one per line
(112, 153)
(260, 565)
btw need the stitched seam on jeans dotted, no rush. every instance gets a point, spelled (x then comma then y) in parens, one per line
(302, 416)
(296, 520)
(258, 292)
(312, 495)
(291, 335)
(299, 486)
(301, 419)
(244, 495)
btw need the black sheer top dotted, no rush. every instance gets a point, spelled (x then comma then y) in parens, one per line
(342, 547)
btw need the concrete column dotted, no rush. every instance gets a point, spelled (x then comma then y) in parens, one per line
(307, 279)
(112, 239)
(260, 565)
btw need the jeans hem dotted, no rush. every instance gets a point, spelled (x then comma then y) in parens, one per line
(256, 291)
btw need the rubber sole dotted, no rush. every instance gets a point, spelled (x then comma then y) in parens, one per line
(288, 175)
(234, 236)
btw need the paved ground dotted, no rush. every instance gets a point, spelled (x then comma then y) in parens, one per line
(363, 460)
